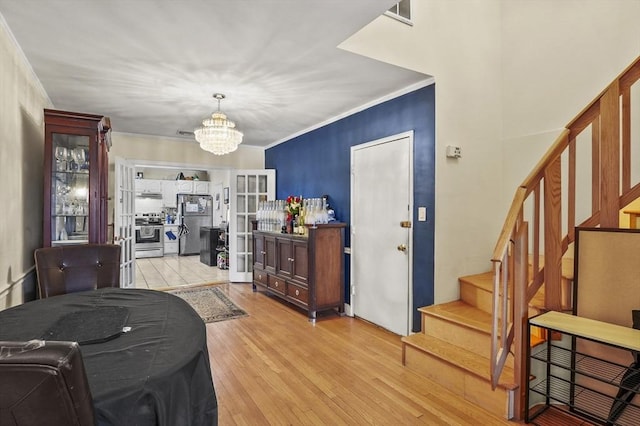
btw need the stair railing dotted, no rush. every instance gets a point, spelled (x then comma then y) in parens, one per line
(529, 250)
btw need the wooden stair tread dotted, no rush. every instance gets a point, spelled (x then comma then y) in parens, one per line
(483, 281)
(461, 313)
(469, 361)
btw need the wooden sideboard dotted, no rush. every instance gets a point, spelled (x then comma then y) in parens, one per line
(307, 271)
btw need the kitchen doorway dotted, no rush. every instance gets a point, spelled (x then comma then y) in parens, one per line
(381, 235)
(175, 272)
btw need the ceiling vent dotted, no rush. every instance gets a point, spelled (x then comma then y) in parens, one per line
(185, 133)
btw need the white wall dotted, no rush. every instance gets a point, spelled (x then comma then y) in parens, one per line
(152, 150)
(457, 42)
(509, 74)
(181, 151)
(22, 101)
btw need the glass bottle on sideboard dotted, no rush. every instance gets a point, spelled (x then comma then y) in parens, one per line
(75, 178)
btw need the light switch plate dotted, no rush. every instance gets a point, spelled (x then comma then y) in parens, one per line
(422, 214)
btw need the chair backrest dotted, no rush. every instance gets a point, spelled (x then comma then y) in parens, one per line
(44, 383)
(73, 268)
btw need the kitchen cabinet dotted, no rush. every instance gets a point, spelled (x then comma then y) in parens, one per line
(200, 187)
(75, 177)
(307, 271)
(169, 193)
(589, 373)
(171, 188)
(148, 186)
(184, 186)
(170, 245)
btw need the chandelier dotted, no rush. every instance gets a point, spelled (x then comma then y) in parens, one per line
(218, 134)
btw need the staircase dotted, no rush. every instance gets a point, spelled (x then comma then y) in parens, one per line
(476, 346)
(454, 347)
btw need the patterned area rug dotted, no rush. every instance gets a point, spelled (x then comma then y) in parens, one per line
(210, 303)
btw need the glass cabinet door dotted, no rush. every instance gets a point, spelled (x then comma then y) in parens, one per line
(69, 189)
(75, 178)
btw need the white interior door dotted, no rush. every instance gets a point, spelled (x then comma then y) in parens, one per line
(124, 221)
(381, 210)
(246, 188)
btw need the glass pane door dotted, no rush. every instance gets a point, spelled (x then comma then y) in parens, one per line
(125, 221)
(70, 189)
(247, 188)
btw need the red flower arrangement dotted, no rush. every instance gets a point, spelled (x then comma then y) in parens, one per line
(293, 205)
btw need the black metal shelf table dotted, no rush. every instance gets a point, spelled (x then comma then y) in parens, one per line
(592, 373)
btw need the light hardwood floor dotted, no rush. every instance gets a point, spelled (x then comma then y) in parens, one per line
(273, 367)
(176, 271)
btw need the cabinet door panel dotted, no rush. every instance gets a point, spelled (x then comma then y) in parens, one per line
(258, 252)
(184, 186)
(285, 255)
(200, 187)
(169, 193)
(270, 258)
(300, 264)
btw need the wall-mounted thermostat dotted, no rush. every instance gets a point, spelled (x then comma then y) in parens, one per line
(454, 151)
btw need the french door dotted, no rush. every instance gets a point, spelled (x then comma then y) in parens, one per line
(124, 221)
(246, 189)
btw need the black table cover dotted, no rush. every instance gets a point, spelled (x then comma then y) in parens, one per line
(157, 373)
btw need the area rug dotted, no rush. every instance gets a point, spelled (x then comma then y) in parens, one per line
(210, 303)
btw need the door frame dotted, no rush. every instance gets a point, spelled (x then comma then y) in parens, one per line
(349, 308)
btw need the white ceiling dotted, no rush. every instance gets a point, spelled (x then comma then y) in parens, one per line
(153, 65)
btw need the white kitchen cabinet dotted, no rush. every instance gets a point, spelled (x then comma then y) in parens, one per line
(170, 245)
(184, 186)
(200, 187)
(169, 192)
(147, 186)
(171, 188)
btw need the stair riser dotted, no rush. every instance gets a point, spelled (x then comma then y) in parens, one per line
(476, 296)
(474, 389)
(472, 340)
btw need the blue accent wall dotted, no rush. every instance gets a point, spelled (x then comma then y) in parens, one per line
(319, 162)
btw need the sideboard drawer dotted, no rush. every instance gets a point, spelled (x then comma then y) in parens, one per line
(277, 284)
(260, 277)
(300, 294)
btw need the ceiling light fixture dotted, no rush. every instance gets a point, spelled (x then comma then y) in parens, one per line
(218, 134)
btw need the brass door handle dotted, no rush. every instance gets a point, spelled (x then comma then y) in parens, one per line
(402, 248)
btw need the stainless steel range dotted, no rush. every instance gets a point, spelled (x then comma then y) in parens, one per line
(149, 238)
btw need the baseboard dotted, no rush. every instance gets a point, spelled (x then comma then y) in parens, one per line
(348, 310)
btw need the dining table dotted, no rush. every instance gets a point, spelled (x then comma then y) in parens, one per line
(144, 352)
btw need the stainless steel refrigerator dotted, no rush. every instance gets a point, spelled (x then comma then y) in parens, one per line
(194, 211)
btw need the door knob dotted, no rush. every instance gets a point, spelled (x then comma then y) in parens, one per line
(402, 248)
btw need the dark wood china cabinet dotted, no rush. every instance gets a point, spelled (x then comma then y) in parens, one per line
(75, 177)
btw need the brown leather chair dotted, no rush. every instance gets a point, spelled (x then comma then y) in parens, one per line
(44, 383)
(69, 269)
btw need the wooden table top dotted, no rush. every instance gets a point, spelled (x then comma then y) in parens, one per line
(613, 334)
